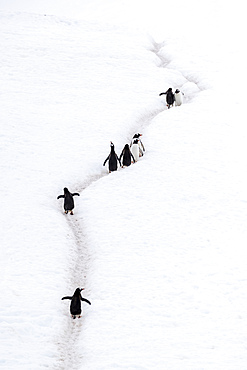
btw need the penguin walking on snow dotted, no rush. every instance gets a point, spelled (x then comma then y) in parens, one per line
(135, 149)
(75, 305)
(141, 146)
(170, 98)
(112, 160)
(178, 97)
(127, 155)
(68, 201)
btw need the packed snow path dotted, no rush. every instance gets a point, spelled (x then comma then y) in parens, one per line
(80, 255)
(70, 355)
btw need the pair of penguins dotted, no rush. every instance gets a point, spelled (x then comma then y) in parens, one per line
(130, 152)
(75, 305)
(172, 98)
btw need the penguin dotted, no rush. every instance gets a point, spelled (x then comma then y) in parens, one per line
(141, 146)
(178, 98)
(127, 155)
(68, 201)
(170, 98)
(75, 305)
(135, 149)
(112, 160)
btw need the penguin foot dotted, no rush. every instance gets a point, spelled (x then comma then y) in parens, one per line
(71, 212)
(73, 316)
(79, 316)
(66, 212)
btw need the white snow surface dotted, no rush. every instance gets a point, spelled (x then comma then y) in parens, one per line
(160, 246)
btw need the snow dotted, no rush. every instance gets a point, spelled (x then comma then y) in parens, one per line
(159, 246)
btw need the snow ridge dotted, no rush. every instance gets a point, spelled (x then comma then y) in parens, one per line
(194, 82)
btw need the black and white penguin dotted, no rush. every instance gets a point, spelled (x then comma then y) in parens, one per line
(112, 160)
(178, 97)
(75, 305)
(170, 98)
(135, 149)
(68, 201)
(140, 143)
(127, 155)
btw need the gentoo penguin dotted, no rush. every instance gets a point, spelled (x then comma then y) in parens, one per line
(112, 160)
(135, 149)
(178, 97)
(141, 146)
(68, 200)
(75, 305)
(170, 98)
(127, 155)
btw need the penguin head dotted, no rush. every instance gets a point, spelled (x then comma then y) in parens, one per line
(65, 190)
(177, 91)
(126, 147)
(136, 136)
(135, 141)
(112, 146)
(77, 292)
(170, 89)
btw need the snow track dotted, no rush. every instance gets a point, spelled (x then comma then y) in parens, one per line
(70, 355)
(194, 83)
(170, 223)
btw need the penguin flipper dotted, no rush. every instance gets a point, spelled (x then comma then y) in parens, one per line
(162, 94)
(121, 155)
(60, 196)
(75, 194)
(118, 159)
(66, 298)
(106, 160)
(142, 145)
(85, 300)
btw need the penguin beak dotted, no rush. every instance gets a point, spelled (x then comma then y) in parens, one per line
(82, 289)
